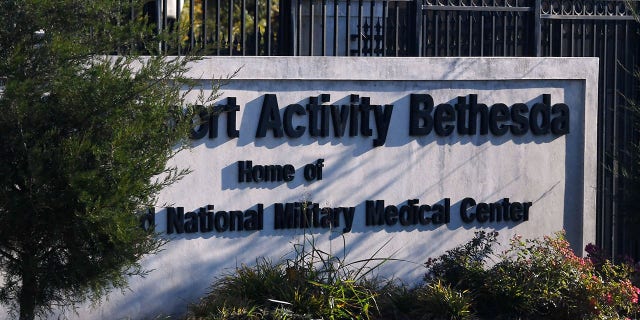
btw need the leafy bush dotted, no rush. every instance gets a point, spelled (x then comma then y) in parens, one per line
(463, 267)
(537, 278)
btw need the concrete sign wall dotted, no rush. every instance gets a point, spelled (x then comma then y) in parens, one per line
(365, 151)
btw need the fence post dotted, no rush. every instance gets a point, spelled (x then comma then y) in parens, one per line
(537, 32)
(287, 28)
(415, 38)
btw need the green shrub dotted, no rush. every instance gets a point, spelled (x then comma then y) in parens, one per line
(398, 301)
(544, 278)
(441, 301)
(313, 284)
(535, 279)
(463, 267)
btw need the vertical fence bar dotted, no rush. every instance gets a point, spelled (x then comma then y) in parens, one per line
(482, 26)
(164, 24)
(192, 40)
(299, 27)
(615, 151)
(311, 23)
(627, 81)
(584, 38)
(385, 14)
(459, 35)
(600, 220)
(493, 35)
(604, 151)
(470, 50)
(286, 28)
(324, 28)
(416, 18)
(447, 34)
(269, 32)
(395, 27)
(572, 40)
(561, 41)
(243, 30)
(217, 36)
(515, 20)
(359, 28)
(256, 27)
(398, 30)
(551, 42)
(177, 27)
(425, 33)
(336, 16)
(508, 49)
(347, 29)
(371, 28)
(204, 24)
(438, 32)
(230, 28)
(502, 33)
(602, 137)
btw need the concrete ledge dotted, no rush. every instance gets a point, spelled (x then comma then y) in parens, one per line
(401, 69)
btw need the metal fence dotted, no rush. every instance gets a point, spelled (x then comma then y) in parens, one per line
(554, 28)
(435, 28)
(468, 28)
(286, 27)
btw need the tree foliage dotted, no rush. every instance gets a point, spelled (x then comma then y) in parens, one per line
(84, 136)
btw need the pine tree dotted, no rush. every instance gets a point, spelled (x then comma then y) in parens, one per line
(87, 126)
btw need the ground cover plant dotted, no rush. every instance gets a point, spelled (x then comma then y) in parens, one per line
(531, 279)
(314, 284)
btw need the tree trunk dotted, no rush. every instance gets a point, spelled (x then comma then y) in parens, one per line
(28, 290)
